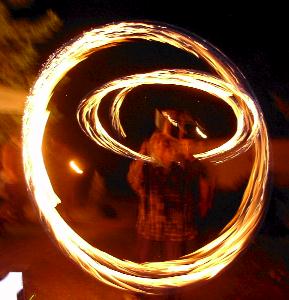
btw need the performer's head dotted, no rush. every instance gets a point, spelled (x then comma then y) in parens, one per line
(182, 130)
(179, 124)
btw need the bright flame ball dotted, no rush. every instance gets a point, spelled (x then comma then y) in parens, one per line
(229, 86)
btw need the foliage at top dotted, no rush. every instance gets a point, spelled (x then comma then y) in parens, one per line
(18, 40)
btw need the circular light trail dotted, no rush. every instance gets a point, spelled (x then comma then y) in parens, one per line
(228, 86)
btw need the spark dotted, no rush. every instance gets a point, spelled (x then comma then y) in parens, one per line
(228, 86)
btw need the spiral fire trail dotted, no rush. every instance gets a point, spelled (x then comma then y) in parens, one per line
(251, 131)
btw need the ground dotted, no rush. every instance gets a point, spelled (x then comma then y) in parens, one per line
(261, 272)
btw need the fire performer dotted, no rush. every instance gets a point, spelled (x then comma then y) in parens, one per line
(175, 191)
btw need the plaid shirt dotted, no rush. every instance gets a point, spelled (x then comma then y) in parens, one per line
(169, 198)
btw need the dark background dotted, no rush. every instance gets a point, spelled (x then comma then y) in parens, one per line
(254, 37)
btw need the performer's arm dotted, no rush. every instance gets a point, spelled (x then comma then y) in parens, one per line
(135, 174)
(206, 188)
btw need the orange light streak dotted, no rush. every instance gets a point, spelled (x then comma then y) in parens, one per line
(201, 133)
(75, 167)
(206, 262)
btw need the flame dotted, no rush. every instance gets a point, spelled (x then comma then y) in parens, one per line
(201, 133)
(171, 120)
(75, 167)
(206, 262)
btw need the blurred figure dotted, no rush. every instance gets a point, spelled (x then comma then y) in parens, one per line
(80, 186)
(175, 191)
(15, 200)
(66, 172)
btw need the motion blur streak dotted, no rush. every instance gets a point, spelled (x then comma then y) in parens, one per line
(227, 84)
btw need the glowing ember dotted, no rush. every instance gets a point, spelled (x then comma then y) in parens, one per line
(251, 131)
(75, 167)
